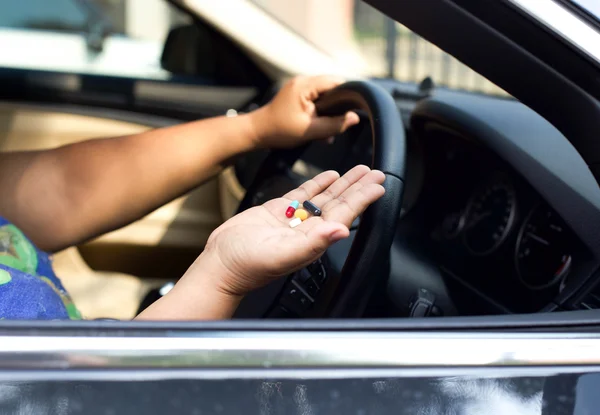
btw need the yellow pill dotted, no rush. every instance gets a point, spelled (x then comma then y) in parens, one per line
(301, 213)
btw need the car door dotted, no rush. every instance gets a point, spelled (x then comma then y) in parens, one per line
(520, 364)
(508, 365)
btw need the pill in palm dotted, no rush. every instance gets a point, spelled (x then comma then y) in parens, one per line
(295, 222)
(301, 213)
(292, 208)
(312, 208)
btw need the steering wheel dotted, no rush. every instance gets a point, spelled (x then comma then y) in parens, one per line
(320, 290)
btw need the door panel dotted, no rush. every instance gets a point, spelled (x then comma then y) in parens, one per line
(157, 248)
(229, 368)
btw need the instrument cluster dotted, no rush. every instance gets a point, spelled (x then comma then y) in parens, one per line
(541, 241)
(489, 230)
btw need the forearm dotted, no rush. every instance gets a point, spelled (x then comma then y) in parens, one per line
(72, 193)
(64, 196)
(192, 302)
(196, 296)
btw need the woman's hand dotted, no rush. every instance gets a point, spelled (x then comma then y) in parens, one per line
(258, 246)
(291, 118)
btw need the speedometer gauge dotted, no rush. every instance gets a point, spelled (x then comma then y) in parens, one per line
(490, 216)
(542, 255)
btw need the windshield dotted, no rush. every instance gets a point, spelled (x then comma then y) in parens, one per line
(592, 6)
(362, 35)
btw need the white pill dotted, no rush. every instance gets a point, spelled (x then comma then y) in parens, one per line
(295, 222)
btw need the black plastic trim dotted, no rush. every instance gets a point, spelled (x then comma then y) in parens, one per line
(551, 322)
(562, 93)
(532, 146)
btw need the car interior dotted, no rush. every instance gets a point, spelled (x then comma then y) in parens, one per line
(492, 205)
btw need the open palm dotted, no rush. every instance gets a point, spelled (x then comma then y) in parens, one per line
(257, 245)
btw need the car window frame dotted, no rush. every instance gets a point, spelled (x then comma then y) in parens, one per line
(578, 32)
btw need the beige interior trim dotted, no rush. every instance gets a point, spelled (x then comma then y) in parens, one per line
(231, 193)
(34, 129)
(187, 221)
(99, 294)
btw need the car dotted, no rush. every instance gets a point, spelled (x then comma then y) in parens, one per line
(471, 287)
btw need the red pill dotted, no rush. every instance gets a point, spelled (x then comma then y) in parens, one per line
(289, 212)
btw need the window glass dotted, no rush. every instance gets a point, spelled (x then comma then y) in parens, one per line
(136, 30)
(112, 37)
(365, 37)
(142, 19)
(62, 15)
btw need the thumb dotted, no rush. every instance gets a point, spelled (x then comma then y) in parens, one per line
(323, 127)
(309, 244)
(325, 234)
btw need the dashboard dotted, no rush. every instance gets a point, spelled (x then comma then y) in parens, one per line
(499, 245)
(507, 213)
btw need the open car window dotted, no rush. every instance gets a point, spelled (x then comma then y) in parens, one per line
(416, 64)
(546, 362)
(364, 37)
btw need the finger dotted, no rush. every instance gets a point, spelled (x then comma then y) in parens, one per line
(350, 205)
(307, 225)
(317, 235)
(323, 83)
(313, 187)
(372, 177)
(322, 127)
(302, 248)
(341, 185)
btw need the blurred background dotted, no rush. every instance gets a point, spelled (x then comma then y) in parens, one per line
(349, 29)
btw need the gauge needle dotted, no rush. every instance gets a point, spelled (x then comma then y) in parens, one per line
(538, 239)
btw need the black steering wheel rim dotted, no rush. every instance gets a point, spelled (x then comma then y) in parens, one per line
(368, 259)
